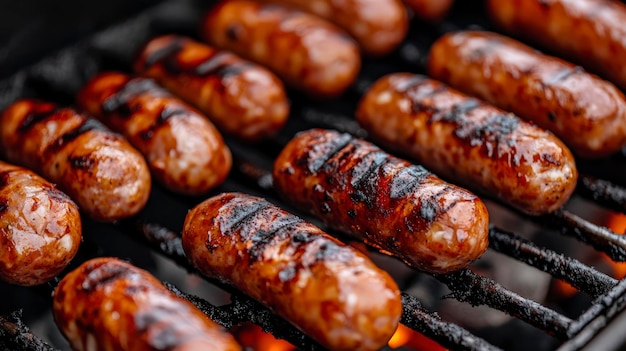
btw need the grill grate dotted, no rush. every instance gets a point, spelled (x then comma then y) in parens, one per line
(58, 77)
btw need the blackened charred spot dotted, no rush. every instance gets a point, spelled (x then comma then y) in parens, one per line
(218, 65)
(34, 117)
(366, 177)
(317, 156)
(458, 113)
(481, 51)
(168, 112)
(404, 85)
(239, 213)
(406, 180)
(327, 250)
(551, 116)
(260, 239)
(167, 52)
(84, 162)
(300, 237)
(352, 213)
(4, 205)
(97, 277)
(5, 177)
(120, 102)
(493, 130)
(549, 158)
(418, 97)
(232, 32)
(287, 274)
(325, 208)
(88, 125)
(429, 209)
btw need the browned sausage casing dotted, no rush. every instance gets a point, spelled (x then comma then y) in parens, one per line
(306, 51)
(97, 168)
(241, 98)
(469, 141)
(110, 305)
(184, 150)
(430, 10)
(330, 291)
(590, 32)
(586, 112)
(401, 208)
(377, 25)
(40, 227)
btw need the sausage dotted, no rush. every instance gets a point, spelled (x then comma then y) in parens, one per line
(586, 112)
(330, 291)
(40, 227)
(184, 150)
(389, 203)
(589, 32)
(430, 10)
(377, 25)
(307, 52)
(109, 305)
(242, 99)
(100, 170)
(469, 141)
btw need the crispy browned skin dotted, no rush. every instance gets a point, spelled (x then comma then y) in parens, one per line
(430, 10)
(40, 227)
(589, 32)
(307, 52)
(110, 305)
(586, 112)
(242, 99)
(469, 141)
(184, 150)
(401, 208)
(97, 168)
(330, 291)
(377, 25)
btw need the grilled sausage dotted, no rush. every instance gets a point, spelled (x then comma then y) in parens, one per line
(330, 291)
(589, 32)
(586, 112)
(40, 227)
(469, 141)
(430, 10)
(306, 51)
(97, 168)
(183, 149)
(241, 98)
(391, 204)
(377, 25)
(110, 305)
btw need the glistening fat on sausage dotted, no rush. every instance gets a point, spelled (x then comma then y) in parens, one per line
(40, 227)
(330, 291)
(357, 188)
(109, 305)
(469, 141)
(306, 51)
(98, 169)
(588, 32)
(184, 150)
(586, 112)
(377, 25)
(242, 99)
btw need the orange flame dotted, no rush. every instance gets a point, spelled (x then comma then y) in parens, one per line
(252, 337)
(412, 340)
(617, 223)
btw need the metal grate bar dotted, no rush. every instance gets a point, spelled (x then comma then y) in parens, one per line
(15, 335)
(581, 276)
(602, 192)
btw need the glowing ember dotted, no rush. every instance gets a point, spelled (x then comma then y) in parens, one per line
(252, 337)
(409, 339)
(617, 223)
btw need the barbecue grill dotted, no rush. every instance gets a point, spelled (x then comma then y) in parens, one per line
(107, 38)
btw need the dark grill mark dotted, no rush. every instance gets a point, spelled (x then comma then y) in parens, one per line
(4, 178)
(493, 129)
(366, 177)
(262, 238)
(479, 53)
(166, 52)
(406, 84)
(429, 208)
(458, 112)
(330, 149)
(562, 74)
(218, 65)
(240, 212)
(104, 274)
(33, 118)
(417, 98)
(84, 162)
(406, 180)
(327, 250)
(119, 102)
(88, 125)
